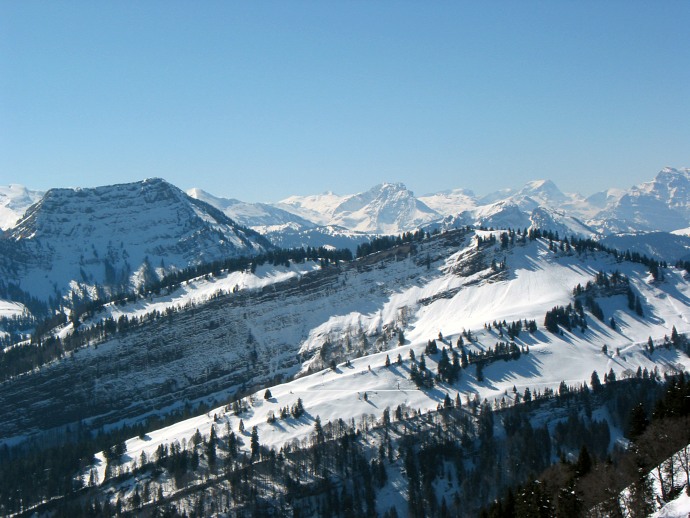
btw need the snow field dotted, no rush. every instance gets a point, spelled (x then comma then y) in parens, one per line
(536, 280)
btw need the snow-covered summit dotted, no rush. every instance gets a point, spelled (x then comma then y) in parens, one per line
(14, 200)
(662, 204)
(388, 208)
(543, 190)
(117, 235)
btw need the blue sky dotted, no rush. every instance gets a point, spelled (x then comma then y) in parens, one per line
(261, 100)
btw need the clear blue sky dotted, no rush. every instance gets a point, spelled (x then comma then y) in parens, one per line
(260, 100)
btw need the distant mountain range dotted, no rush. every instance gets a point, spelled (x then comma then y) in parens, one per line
(661, 205)
(117, 237)
(390, 208)
(217, 381)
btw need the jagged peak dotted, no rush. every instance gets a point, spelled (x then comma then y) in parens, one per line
(390, 187)
(663, 180)
(673, 170)
(669, 174)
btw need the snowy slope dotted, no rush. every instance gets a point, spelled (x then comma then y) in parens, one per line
(450, 203)
(283, 228)
(293, 236)
(317, 208)
(451, 299)
(179, 351)
(261, 217)
(661, 245)
(14, 200)
(678, 508)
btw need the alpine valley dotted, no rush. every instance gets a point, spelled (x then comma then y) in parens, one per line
(519, 353)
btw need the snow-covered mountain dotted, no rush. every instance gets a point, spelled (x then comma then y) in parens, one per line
(451, 202)
(318, 334)
(283, 228)
(14, 200)
(508, 214)
(326, 332)
(261, 217)
(303, 317)
(560, 221)
(62, 238)
(539, 204)
(602, 199)
(318, 208)
(664, 246)
(116, 237)
(544, 194)
(662, 204)
(329, 236)
(388, 208)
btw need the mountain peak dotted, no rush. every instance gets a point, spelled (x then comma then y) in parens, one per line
(673, 170)
(14, 200)
(670, 174)
(387, 208)
(391, 186)
(540, 184)
(544, 187)
(101, 235)
(661, 204)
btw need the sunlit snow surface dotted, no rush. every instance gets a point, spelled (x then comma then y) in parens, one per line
(537, 280)
(678, 508)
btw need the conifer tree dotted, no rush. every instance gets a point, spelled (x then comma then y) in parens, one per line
(595, 382)
(255, 442)
(211, 448)
(318, 430)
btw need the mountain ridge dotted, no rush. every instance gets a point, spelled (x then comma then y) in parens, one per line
(114, 236)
